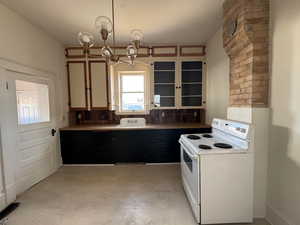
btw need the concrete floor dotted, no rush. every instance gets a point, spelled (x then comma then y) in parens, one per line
(118, 195)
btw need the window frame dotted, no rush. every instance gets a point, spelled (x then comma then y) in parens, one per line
(120, 111)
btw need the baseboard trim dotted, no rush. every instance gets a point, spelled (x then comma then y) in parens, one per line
(11, 193)
(275, 218)
(118, 164)
(161, 164)
(72, 165)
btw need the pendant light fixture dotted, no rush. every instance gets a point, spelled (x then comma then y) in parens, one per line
(106, 28)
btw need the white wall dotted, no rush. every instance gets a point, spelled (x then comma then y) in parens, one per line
(284, 157)
(25, 44)
(217, 78)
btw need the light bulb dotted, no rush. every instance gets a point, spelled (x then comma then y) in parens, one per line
(137, 35)
(86, 39)
(103, 22)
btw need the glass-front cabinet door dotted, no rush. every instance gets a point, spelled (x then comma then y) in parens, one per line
(191, 88)
(164, 84)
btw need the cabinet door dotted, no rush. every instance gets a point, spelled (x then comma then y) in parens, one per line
(191, 87)
(98, 84)
(86, 147)
(77, 85)
(164, 84)
(128, 146)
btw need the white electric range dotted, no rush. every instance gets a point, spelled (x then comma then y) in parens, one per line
(217, 173)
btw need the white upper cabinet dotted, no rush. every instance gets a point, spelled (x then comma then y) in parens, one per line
(77, 85)
(178, 84)
(88, 85)
(165, 84)
(98, 84)
(191, 83)
(177, 79)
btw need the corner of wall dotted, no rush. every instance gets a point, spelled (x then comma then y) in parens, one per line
(274, 217)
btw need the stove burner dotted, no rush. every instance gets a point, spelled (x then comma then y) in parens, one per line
(193, 137)
(205, 147)
(207, 136)
(222, 145)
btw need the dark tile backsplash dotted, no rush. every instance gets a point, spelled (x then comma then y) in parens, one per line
(155, 116)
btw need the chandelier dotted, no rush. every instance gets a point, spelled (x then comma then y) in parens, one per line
(106, 28)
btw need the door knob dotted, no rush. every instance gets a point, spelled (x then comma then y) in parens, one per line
(53, 131)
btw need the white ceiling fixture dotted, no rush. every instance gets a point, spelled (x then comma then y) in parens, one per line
(105, 28)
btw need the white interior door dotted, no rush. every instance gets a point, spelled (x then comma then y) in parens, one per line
(37, 149)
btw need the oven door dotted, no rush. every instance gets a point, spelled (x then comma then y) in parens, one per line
(190, 172)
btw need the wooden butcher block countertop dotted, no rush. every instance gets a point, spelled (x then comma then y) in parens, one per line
(108, 127)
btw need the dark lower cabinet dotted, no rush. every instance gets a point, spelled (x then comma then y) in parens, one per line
(87, 147)
(123, 146)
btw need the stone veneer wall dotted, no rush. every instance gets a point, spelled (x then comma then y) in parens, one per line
(248, 51)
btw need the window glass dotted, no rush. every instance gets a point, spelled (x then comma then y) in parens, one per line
(133, 102)
(32, 102)
(164, 84)
(132, 92)
(133, 83)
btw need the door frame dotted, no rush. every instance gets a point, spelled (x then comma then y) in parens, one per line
(8, 133)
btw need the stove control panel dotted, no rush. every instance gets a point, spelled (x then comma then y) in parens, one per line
(237, 129)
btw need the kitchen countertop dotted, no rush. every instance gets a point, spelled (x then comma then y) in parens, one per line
(108, 127)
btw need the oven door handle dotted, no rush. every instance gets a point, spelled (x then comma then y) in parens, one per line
(193, 156)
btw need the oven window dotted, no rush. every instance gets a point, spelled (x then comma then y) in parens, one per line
(188, 161)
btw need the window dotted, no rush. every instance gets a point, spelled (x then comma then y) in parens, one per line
(132, 92)
(32, 102)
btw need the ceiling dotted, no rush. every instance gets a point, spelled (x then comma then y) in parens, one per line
(162, 21)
